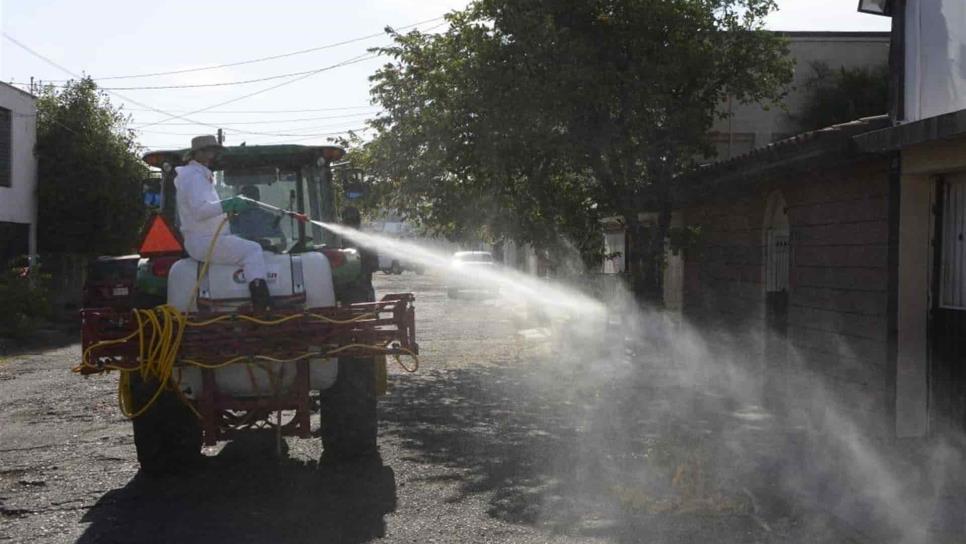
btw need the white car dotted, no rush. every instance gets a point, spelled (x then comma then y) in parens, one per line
(392, 265)
(464, 273)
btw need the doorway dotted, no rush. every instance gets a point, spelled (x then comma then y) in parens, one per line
(777, 259)
(947, 319)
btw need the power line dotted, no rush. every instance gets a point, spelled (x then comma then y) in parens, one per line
(277, 121)
(244, 132)
(270, 142)
(69, 72)
(203, 85)
(233, 112)
(353, 60)
(170, 116)
(257, 133)
(281, 142)
(272, 57)
(360, 58)
(185, 118)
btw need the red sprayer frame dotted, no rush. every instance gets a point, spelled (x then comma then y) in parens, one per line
(388, 323)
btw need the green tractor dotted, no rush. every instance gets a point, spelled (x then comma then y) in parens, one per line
(198, 366)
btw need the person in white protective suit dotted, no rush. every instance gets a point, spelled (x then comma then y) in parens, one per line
(201, 212)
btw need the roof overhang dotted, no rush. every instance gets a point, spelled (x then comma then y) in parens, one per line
(825, 148)
(943, 127)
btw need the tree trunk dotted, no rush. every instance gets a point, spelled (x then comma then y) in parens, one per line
(646, 248)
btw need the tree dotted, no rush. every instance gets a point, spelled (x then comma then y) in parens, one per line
(843, 95)
(89, 173)
(531, 118)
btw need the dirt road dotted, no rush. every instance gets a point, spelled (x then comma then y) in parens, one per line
(488, 442)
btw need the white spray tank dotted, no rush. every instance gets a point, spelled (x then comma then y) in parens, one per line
(303, 279)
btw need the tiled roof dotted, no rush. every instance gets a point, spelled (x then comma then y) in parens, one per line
(941, 127)
(807, 146)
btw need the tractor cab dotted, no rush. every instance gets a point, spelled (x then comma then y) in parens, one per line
(289, 177)
(293, 178)
(197, 364)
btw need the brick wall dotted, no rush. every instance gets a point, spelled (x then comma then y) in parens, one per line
(837, 318)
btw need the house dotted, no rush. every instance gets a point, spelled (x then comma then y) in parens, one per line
(750, 126)
(796, 265)
(18, 173)
(930, 268)
(842, 252)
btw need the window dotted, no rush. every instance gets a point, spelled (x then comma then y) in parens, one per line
(6, 156)
(776, 263)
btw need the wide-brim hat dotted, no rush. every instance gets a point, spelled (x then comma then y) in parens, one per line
(199, 143)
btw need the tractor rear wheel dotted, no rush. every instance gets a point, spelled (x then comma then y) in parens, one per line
(168, 435)
(349, 416)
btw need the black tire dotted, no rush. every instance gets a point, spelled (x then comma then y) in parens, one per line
(349, 415)
(168, 435)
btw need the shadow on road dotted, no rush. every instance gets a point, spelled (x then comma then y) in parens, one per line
(244, 495)
(572, 460)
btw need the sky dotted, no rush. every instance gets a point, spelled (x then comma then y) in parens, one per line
(110, 38)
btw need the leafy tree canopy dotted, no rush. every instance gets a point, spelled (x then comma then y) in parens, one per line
(843, 95)
(530, 119)
(89, 173)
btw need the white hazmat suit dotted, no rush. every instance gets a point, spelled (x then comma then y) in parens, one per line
(200, 213)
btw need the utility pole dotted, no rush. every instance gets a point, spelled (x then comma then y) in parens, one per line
(221, 137)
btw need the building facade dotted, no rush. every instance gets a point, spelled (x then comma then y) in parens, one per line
(18, 173)
(793, 264)
(749, 126)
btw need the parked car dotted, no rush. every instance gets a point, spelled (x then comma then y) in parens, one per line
(464, 273)
(391, 265)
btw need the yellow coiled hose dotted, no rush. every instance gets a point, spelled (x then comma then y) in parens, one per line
(161, 329)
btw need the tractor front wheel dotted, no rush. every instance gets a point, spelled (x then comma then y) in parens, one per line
(168, 435)
(349, 417)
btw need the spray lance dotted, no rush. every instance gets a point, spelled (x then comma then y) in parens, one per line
(300, 217)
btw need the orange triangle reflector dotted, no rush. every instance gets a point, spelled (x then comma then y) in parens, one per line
(160, 239)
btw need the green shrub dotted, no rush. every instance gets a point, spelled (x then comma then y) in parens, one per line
(24, 298)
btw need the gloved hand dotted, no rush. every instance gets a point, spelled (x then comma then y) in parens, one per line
(235, 205)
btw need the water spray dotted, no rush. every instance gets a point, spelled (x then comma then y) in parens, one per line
(522, 286)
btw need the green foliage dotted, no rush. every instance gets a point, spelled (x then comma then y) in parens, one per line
(23, 299)
(684, 239)
(839, 96)
(531, 119)
(89, 174)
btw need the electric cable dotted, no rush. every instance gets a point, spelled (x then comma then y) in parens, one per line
(271, 57)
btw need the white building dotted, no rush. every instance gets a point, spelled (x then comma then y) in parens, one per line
(18, 173)
(751, 125)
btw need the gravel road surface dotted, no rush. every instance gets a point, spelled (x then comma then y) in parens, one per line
(491, 441)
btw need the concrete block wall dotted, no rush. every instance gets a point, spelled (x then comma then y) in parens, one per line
(838, 293)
